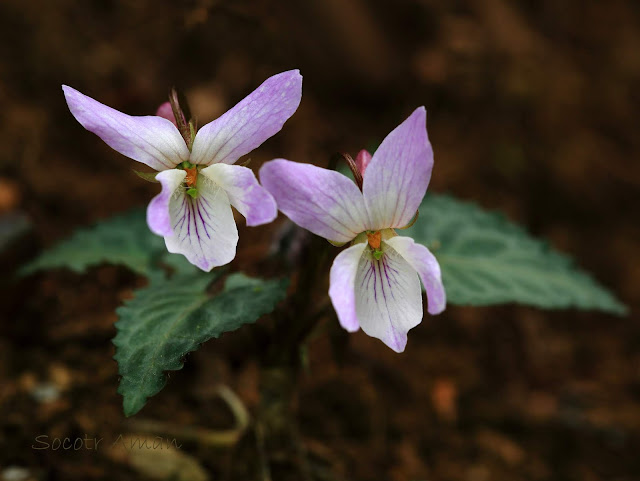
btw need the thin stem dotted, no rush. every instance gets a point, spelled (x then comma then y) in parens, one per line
(203, 436)
(277, 436)
(265, 470)
(182, 115)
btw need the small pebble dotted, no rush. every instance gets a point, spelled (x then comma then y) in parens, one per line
(15, 473)
(46, 393)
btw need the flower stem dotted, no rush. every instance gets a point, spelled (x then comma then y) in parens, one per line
(277, 430)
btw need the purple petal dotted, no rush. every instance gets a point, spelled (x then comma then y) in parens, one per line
(323, 201)
(204, 230)
(342, 286)
(158, 211)
(251, 199)
(151, 140)
(166, 112)
(423, 261)
(253, 120)
(388, 298)
(399, 172)
(362, 161)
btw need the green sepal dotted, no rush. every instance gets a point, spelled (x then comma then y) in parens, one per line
(192, 132)
(337, 244)
(148, 176)
(411, 222)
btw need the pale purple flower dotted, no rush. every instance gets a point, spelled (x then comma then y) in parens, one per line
(199, 181)
(375, 283)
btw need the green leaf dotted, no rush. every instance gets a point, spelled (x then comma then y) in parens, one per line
(124, 239)
(485, 259)
(169, 319)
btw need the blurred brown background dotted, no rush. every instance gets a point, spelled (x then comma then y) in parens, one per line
(532, 110)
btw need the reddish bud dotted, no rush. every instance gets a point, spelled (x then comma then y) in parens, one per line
(166, 112)
(362, 161)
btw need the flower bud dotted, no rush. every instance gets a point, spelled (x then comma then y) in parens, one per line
(166, 112)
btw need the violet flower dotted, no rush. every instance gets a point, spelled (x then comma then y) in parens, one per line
(199, 181)
(375, 283)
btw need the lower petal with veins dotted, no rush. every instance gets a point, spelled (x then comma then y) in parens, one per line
(204, 229)
(388, 297)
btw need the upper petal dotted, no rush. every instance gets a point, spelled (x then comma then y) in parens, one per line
(203, 229)
(260, 115)
(245, 193)
(423, 261)
(388, 298)
(323, 201)
(342, 285)
(152, 140)
(399, 172)
(158, 216)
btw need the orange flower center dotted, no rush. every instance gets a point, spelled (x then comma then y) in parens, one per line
(192, 176)
(375, 238)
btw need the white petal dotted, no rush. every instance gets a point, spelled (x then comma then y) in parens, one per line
(322, 201)
(398, 174)
(248, 124)
(245, 193)
(388, 298)
(342, 285)
(204, 230)
(152, 140)
(158, 216)
(423, 261)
